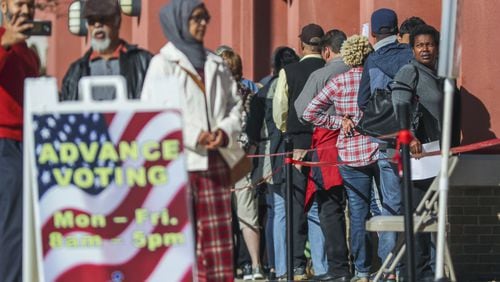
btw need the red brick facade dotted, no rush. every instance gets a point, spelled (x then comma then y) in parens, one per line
(255, 27)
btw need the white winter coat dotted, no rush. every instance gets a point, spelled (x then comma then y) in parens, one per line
(224, 104)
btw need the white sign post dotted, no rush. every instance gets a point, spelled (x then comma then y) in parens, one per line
(447, 69)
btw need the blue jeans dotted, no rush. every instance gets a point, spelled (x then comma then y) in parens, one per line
(316, 238)
(279, 234)
(358, 182)
(316, 241)
(390, 192)
(269, 228)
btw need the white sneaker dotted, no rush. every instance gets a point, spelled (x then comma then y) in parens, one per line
(257, 273)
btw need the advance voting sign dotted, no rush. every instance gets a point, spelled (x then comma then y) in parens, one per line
(108, 190)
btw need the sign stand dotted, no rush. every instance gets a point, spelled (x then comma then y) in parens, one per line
(105, 190)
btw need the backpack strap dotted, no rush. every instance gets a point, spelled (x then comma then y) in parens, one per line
(401, 86)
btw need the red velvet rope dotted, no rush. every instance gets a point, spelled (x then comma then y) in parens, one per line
(405, 138)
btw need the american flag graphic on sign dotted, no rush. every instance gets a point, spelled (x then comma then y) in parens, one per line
(112, 197)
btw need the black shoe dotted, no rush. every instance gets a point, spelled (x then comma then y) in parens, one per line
(345, 278)
(271, 275)
(330, 277)
(299, 273)
(247, 272)
(323, 277)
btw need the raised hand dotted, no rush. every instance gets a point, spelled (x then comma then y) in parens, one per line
(14, 31)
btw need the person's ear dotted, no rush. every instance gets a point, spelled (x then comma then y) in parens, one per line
(327, 52)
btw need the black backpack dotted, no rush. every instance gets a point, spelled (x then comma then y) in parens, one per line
(379, 116)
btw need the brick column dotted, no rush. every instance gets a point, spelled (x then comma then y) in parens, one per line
(148, 33)
(474, 237)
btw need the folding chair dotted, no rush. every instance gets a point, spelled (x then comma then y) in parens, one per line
(425, 220)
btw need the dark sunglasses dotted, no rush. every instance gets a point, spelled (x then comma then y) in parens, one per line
(103, 20)
(199, 18)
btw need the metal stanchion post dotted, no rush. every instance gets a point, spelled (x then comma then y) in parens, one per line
(289, 208)
(449, 89)
(404, 139)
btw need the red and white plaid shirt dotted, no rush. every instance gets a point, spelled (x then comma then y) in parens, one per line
(342, 92)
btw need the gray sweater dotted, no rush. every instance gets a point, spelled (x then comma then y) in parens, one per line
(316, 82)
(431, 97)
(428, 89)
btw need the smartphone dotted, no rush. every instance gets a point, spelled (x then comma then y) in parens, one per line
(40, 28)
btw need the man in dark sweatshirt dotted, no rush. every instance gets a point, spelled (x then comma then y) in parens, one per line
(379, 70)
(17, 62)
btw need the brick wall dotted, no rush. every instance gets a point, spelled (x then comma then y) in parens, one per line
(475, 232)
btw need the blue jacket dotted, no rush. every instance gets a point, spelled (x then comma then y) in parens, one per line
(380, 68)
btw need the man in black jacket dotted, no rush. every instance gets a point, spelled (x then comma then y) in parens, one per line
(291, 81)
(108, 55)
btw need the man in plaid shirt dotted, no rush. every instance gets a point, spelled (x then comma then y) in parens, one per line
(342, 91)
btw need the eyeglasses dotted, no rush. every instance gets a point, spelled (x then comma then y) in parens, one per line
(199, 18)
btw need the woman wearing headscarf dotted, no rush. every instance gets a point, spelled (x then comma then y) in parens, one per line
(212, 122)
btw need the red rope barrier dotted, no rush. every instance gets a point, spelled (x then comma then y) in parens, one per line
(288, 153)
(405, 137)
(262, 181)
(453, 151)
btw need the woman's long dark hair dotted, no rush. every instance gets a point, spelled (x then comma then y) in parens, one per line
(283, 56)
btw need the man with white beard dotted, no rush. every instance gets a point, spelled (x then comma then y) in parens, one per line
(108, 55)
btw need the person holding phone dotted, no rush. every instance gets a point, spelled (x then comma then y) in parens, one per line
(17, 62)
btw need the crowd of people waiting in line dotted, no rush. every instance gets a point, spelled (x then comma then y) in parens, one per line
(315, 98)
